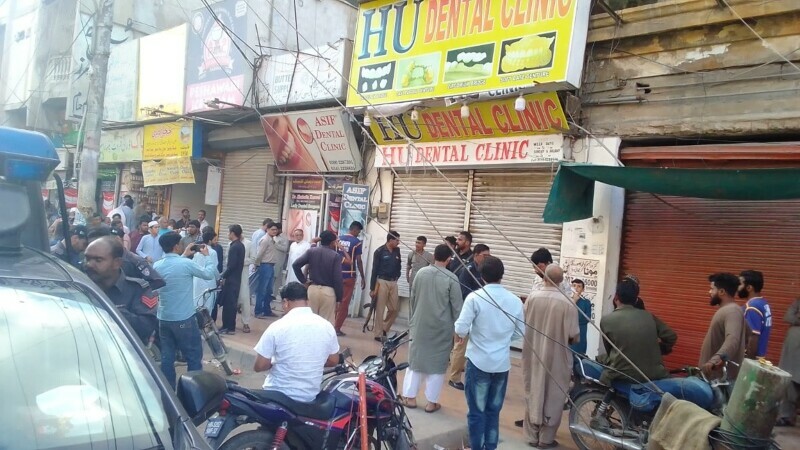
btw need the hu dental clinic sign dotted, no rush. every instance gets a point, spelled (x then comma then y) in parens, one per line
(418, 49)
(519, 151)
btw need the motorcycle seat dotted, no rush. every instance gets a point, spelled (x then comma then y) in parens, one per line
(321, 408)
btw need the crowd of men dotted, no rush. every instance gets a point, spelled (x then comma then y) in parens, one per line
(455, 291)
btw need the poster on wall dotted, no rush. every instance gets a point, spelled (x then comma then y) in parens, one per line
(334, 212)
(305, 220)
(213, 185)
(354, 206)
(168, 171)
(108, 202)
(214, 67)
(305, 201)
(71, 197)
(586, 270)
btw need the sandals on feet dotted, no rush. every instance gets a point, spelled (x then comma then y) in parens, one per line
(409, 403)
(432, 407)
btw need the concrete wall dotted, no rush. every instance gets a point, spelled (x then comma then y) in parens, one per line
(593, 245)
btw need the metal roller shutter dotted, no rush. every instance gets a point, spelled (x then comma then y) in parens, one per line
(443, 205)
(514, 202)
(672, 247)
(243, 185)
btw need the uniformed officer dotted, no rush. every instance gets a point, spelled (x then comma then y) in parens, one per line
(133, 265)
(77, 235)
(132, 296)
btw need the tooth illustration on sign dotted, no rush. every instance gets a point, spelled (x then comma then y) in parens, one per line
(530, 52)
(469, 63)
(377, 77)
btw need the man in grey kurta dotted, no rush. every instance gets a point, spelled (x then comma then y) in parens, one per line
(547, 359)
(435, 304)
(790, 362)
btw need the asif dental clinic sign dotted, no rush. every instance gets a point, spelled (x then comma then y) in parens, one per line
(418, 49)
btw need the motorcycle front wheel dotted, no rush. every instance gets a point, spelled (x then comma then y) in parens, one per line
(252, 440)
(584, 412)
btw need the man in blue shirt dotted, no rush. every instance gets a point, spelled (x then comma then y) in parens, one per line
(585, 306)
(178, 327)
(756, 313)
(492, 317)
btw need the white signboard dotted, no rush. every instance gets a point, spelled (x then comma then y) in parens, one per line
(312, 141)
(21, 47)
(162, 71)
(315, 78)
(213, 185)
(478, 153)
(123, 145)
(122, 83)
(81, 55)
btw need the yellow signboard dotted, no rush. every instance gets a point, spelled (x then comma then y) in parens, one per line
(168, 140)
(497, 118)
(417, 49)
(168, 171)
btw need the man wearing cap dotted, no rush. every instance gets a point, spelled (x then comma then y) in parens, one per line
(148, 247)
(78, 237)
(132, 296)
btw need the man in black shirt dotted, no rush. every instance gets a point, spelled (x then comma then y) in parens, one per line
(463, 252)
(231, 280)
(386, 268)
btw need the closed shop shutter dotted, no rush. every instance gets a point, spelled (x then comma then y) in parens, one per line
(443, 205)
(514, 203)
(672, 244)
(243, 184)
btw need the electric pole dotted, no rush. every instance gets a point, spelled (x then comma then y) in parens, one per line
(90, 155)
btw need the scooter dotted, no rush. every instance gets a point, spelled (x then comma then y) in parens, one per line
(330, 422)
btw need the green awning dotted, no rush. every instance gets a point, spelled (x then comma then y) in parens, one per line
(572, 195)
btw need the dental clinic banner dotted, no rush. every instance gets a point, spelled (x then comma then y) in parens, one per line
(354, 207)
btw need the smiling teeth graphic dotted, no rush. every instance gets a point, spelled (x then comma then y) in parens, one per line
(469, 57)
(376, 72)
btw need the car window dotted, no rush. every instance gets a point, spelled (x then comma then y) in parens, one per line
(71, 379)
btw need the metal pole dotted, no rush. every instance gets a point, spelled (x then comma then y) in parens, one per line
(101, 48)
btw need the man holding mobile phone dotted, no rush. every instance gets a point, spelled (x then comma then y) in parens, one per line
(177, 325)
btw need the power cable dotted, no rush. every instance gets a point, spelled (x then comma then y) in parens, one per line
(462, 263)
(764, 42)
(411, 144)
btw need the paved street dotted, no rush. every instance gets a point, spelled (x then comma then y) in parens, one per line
(447, 427)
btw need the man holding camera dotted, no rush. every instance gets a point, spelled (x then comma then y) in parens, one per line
(178, 327)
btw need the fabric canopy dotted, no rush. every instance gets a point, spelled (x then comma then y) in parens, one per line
(572, 195)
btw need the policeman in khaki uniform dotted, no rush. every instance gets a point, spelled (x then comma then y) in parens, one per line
(132, 296)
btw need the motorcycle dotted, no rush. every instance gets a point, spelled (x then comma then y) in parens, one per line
(330, 422)
(619, 416)
(210, 333)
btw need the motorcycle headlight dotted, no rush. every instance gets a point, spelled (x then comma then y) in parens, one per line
(371, 367)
